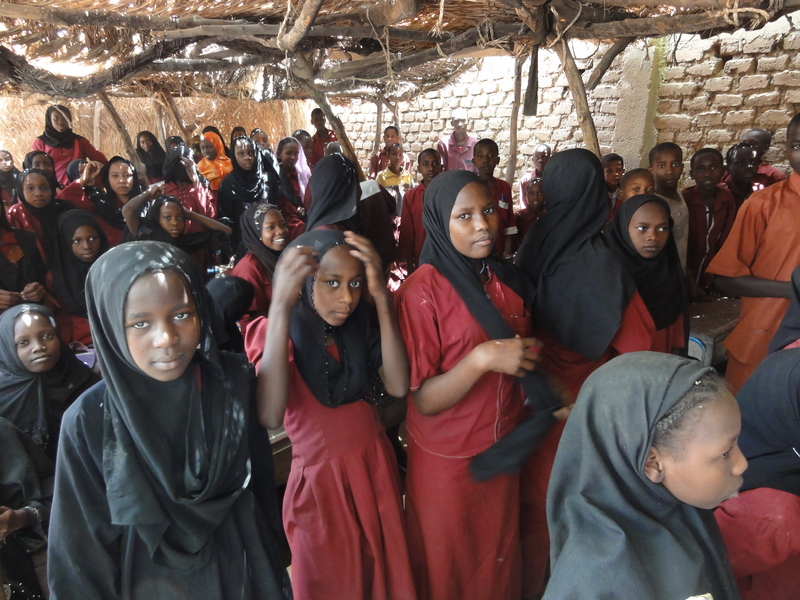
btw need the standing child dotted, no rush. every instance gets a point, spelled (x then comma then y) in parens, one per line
(633, 183)
(295, 175)
(742, 161)
(613, 170)
(395, 174)
(760, 140)
(485, 158)
(151, 496)
(321, 138)
(151, 153)
(648, 451)
(712, 211)
(412, 233)
(666, 165)
(321, 359)
(532, 208)
(380, 160)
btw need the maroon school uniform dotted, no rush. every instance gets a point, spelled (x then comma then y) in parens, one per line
(82, 148)
(198, 199)
(412, 232)
(767, 175)
(504, 205)
(249, 269)
(708, 230)
(318, 149)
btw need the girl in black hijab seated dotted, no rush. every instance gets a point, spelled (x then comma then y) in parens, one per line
(151, 497)
(648, 451)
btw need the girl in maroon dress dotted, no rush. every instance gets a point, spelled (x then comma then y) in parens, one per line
(295, 174)
(466, 326)
(322, 358)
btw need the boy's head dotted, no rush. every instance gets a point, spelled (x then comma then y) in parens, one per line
(760, 139)
(396, 156)
(429, 165)
(793, 143)
(459, 120)
(486, 157)
(318, 119)
(534, 195)
(333, 148)
(742, 161)
(635, 182)
(707, 168)
(666, 165)
(613, 169)
(541, 154)
(302, 136)
(391, 135)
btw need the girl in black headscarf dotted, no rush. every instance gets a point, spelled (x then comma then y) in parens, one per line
(75, 169)
(762, 526)
(8, 178)
(183, 181)
(80, 243)
(466, 325)
(294, 177)
(22, 270)
(152, 155)
(62, 144)
(648, 450)
(40, 377)
(334, 195)
(641, 236)
(265, 235)
(323, 358)
(151, 497)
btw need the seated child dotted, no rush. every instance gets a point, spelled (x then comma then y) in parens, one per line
(649, 449)
(294, 176)
(485, 158)
(633, 183)
(395, 174)
(761, 527)
(712, 211)
(742, 161)
(666, 165)
(412, 233)
(532, 208)
(613, 170)
(23, 273)
(8, 178)
(120, 184)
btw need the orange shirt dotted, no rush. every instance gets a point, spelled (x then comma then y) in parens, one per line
(764, 242)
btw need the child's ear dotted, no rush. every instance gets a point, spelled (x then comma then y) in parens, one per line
(650, 169)
(691, 173)
(652, 468)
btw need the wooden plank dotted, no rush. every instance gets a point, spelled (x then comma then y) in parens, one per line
(511, 165)
(578, 92)
(605, 63)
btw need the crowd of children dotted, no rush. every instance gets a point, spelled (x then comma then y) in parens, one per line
(150, 474)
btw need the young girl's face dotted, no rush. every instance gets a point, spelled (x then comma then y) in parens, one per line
(289, 155)
(120, 178)
(638, 184)
(708, 468)
(613, 172)
(261, 139)
(474, 221)
(37, 190)
(245, 156)
(85, 243)
(337, 286)
(38, 346)
(396, 159)
(649, 230)
(146, 143)
(6, 162)
(162, 326)
(59, 121)
(43, 162)
(171, 219)
(274, 232)
(207, 149)
(534, 196)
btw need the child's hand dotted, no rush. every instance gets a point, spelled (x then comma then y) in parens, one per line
(11, 521)
(366, 253)
(155, 191)
(90, 173)
(8, 299)
(515, 356)
(33, 292)
(188, 165)
(296, 263)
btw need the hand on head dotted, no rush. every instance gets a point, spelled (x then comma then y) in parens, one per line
(366, 253)
(296, 263)
(8, 299)
(33, 292)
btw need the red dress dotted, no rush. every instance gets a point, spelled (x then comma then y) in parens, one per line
(463, 536)
(412, 232)
(342, 509)
(249, 269)
(82, 148)
(761, 529)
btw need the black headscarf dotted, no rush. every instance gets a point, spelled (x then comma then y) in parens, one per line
(8, 180)
(173, 170)
(464, 275)
(353, 376)
(789, 329)
(246, 187)
(232, 297)
(582, 289)
(27, 162)
(35, 402)
(74, 169)
(69, 272)
(30, 268)
(770, 438)
(150, 229)
(154, 161)
(334, 192)
(135, 190)
(660, 279)
(251, 222)
(174, 487)
(47, 216)
(613, 532)
(54, 138)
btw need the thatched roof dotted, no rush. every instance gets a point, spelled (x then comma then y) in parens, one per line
(388, 48)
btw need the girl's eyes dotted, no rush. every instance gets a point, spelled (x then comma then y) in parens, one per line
(182, 316)
(489, 210)
(355, 284)
(139, 325)
(21, 343)
(332, 283)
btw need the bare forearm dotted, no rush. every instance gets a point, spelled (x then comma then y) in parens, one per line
(446, 390)
(131, 209)
(272, 386)
(395, 371)
(208, 222)
(751, 286)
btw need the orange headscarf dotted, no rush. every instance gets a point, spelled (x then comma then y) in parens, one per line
(215, 170)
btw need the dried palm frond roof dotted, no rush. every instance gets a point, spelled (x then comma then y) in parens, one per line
(391, 48)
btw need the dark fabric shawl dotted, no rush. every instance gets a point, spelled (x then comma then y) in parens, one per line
(30, 268)
(614, 533)
(174, 453)
(251, 223)
(54, 138)
(104, 176)
(240, 189)
(150, 229)
(353, 376)
(47, 216)
(582, 290)
(153, 161)
(69, 272)
(789, 329)
(26, 474)
(232, 297)
(73, 169)
(770, 438)
(173, 170)
(463, 273)
(659, 280)
(35, 402)
(334, 192)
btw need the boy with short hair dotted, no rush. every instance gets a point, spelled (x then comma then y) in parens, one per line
(541, 154)
(742, 163)
(666, 165)
(613, 170)
(394, 174)
(456, 150)
(380, 160)
(412, 233)
(756, 262)
(633, 183)
(532, 204)
(760, 140)
(712, 211)
(321, 138)
(486, 157)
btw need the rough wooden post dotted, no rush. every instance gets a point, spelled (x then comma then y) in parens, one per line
(287, 123)
(376, 146)
(126, 138)
(160, 127)
(98, 112)
(532, 89)
(579, 99)
(511, 165)
(169, 102)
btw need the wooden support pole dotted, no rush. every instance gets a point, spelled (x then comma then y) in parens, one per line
(605, 63)
(126, 138)
(98, 113)
(169, 102)
(579, 99)
(532, 88)
(376, 146)
(288, 41)
(511, 165)
(287, 123)
(160, 125)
